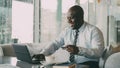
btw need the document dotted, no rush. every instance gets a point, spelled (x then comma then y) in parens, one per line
(65, 65)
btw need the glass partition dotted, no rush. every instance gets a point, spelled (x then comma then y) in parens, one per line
(114, 21)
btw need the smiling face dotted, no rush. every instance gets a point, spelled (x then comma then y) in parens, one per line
(74, 17)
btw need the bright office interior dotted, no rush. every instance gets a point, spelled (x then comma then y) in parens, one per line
(37, 21)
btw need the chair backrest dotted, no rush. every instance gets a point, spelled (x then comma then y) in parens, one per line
(1, 51)
(109, 50)
(113, 61)
(8, 50)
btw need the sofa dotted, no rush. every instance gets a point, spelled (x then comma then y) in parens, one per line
(7, 50)
(110, 56)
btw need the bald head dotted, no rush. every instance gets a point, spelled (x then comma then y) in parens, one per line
(77, 11)
(75, 16)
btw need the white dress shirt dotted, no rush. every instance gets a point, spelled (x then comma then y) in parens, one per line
(90, 42)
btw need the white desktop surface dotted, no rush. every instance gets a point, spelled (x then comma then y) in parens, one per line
(12, 62)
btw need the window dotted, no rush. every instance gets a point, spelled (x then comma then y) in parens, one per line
(36, 21)
(22, 21)
(5, 21)
(114, 21)
(52, 19)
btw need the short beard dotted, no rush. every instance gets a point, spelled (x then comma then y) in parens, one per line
(76, 26)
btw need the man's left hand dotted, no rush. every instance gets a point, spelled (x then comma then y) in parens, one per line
(72, 49)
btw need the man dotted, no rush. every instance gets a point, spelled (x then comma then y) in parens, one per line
(83, 41)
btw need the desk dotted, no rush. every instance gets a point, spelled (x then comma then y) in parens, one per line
(16, 63)
(20, 64)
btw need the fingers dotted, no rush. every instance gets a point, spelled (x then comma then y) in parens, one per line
(71, 48)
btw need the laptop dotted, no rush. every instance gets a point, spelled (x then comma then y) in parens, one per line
(22, 53)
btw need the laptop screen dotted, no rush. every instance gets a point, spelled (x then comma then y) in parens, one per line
(22, 53)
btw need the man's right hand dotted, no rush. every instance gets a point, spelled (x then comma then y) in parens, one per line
(38, 57)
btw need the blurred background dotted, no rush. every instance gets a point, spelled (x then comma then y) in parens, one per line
(38, 21)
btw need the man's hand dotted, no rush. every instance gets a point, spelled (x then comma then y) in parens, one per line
(38, 57)
(72, 49)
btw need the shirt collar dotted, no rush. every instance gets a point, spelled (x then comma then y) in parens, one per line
(82, 27)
